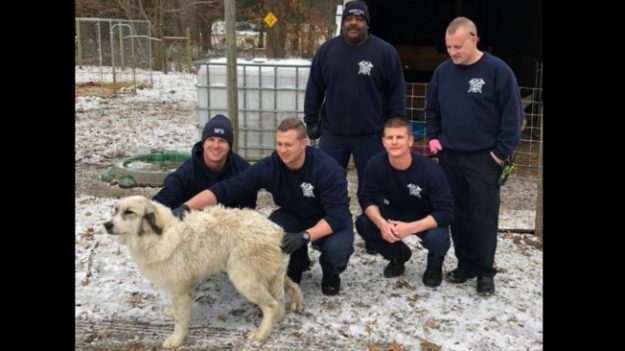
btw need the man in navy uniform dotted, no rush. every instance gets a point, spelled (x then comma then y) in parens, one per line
(311, 190)
(402, 194)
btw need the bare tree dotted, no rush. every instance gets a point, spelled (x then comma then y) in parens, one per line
(87, 8)
(276, 35)
(298, 30)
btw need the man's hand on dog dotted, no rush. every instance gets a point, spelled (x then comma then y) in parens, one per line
(292, 242)
(181, 211)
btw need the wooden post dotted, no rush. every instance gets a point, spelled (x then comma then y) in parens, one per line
(231, 68)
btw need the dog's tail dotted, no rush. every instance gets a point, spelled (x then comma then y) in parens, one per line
(295, 292)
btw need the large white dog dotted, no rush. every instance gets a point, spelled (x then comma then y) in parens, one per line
(175, 255)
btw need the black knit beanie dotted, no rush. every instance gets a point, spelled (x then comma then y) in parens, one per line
(356, 8)
(218, 126)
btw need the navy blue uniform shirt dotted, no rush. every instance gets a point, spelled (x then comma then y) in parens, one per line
(475, 107)
(422, 188)
(317, 190)
(193, 177)
(363, 86)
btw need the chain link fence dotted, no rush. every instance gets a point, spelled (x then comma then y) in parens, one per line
(115, 50)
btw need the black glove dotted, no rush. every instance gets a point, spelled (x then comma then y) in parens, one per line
(181, 211)
(313, 131)
(291, 242)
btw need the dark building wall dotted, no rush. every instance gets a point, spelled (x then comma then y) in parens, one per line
(510, 29)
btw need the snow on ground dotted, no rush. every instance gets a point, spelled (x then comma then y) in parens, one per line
(116, 308)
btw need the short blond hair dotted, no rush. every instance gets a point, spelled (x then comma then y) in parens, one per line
(398, 122)
(293, 123)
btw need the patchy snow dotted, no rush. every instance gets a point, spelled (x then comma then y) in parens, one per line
(116, 308)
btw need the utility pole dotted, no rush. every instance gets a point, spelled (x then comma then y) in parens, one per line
(231, 69)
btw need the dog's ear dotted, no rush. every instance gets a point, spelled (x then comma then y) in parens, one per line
(151, 216)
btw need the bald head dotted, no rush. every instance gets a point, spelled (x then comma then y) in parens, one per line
(464, 24)
(461, 41)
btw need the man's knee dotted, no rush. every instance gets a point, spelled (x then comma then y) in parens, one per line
(339, 244)
(436, 240)
(363, 224)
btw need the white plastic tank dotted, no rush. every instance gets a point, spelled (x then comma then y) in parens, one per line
(269, 91)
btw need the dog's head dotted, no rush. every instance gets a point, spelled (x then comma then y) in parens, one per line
(135, 216)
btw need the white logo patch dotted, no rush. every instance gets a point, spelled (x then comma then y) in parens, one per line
(475, 85)
(219, 131)
(414, 190)
(307, 189)
(356, 12)
(365, 67)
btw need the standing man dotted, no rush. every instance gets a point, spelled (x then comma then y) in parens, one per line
(356, 83)
(211, 160)
(474, 116)
(417, 200)
(311, 190)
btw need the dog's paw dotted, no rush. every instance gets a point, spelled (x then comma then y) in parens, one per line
(257, 335)
(296, 307)
(172, 341)
(168, 312)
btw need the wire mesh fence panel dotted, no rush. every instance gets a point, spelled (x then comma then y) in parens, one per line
(116, 51)
(269, 91)
(528, 162)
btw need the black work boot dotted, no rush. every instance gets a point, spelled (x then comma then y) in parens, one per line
(396, 266)
(330, 284)
(433, 277)
(485, 286)
(459, 275)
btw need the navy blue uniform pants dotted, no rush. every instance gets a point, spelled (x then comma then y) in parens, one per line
(473, 179)
(435, 240)
(362, 147)
(336, 248)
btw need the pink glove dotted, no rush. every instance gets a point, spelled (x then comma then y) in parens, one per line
(435, 146)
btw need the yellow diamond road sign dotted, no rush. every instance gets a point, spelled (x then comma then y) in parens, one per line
(270, 19)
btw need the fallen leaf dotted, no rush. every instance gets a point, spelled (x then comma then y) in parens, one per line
(431, 324)
(88, 234)
(403, 284)
(428, 346)
(395, 346)
(413, 299)
(369, 326)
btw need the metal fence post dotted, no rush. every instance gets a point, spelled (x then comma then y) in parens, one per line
(78, 44)
(189, 55)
